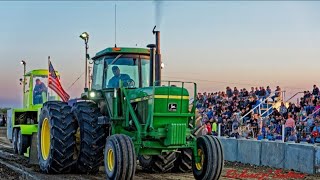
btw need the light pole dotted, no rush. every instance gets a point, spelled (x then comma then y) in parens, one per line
(85, 37)
(90, 77)
(24, 80)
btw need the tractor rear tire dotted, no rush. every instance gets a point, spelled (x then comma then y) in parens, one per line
(56, 138)
(92, 138)
(184, 161)
(211, 159)
(119, 157)
(158, 163)
(220, 162)
(15, 140)
(22, 143)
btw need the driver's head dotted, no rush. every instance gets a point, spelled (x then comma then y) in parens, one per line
(38, 81)
(116, 70)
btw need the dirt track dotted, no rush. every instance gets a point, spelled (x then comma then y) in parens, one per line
(15, 167)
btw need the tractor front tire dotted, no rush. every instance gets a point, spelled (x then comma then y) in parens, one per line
(158, 163)
(184, 161)
(91, 137)
(22, 143)
(211, 159)
(119, 157)
(56, 138)
(15, 140)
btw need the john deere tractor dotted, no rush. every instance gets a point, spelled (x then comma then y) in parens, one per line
(23, 122)
(129, 114)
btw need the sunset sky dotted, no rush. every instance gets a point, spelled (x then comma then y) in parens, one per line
(215, 44)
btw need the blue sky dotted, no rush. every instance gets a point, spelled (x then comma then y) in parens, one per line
(213, 43)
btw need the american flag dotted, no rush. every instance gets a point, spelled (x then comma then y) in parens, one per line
(55, 85)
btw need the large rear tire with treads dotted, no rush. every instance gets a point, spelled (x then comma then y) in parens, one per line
(90, 135)
(158, 163)
(56, 138)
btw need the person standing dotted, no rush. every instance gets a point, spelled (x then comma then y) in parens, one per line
(289, 126)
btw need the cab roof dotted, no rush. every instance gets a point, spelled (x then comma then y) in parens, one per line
(121, 50)
(39, 72)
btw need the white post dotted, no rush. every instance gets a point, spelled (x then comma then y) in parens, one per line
(283, 135)
(260, 109)
(219, 129)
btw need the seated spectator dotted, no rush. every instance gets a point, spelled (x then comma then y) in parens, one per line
(283, 110)
(317, 108)
(209, 129)
(293, 136)
(229, 92)
(268, 91)
(315, 90)
(277, 94)
(214, 128)
(204, 130)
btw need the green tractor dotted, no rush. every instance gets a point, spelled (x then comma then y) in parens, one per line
(23, 122)
(129, 114)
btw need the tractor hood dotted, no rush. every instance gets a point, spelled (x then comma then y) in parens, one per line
(161, 92)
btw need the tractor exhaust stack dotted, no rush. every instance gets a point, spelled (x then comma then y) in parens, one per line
(157, 60)
(151, 77)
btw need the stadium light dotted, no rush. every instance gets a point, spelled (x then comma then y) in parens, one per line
(85, 37)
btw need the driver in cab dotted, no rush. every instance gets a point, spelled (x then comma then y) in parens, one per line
(39, 88)
(114, 81)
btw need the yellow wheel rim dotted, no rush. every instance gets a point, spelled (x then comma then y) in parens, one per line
(200, 164)
(45, 139)
(110, 160)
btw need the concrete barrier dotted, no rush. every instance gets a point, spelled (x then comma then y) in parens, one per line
(317, 160)
(304, 158)
(273, 154)
(300, 157)
(230, 148)
(249, 151)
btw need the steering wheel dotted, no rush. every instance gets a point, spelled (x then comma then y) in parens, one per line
(129, 83)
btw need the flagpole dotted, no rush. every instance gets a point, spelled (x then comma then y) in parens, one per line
(48, 78)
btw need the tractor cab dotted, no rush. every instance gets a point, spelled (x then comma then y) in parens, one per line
(121, 67)
(37, 91)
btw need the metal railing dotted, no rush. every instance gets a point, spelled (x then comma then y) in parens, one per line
(311, 114)
(284, 102)
(267, 111)
(258, 107)
(292, 96)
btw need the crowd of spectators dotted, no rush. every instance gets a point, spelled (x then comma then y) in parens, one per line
(232, 109)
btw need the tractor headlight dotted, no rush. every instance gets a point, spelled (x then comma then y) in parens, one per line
(92, 94)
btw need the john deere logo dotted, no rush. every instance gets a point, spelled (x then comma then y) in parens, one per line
(172, 107)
